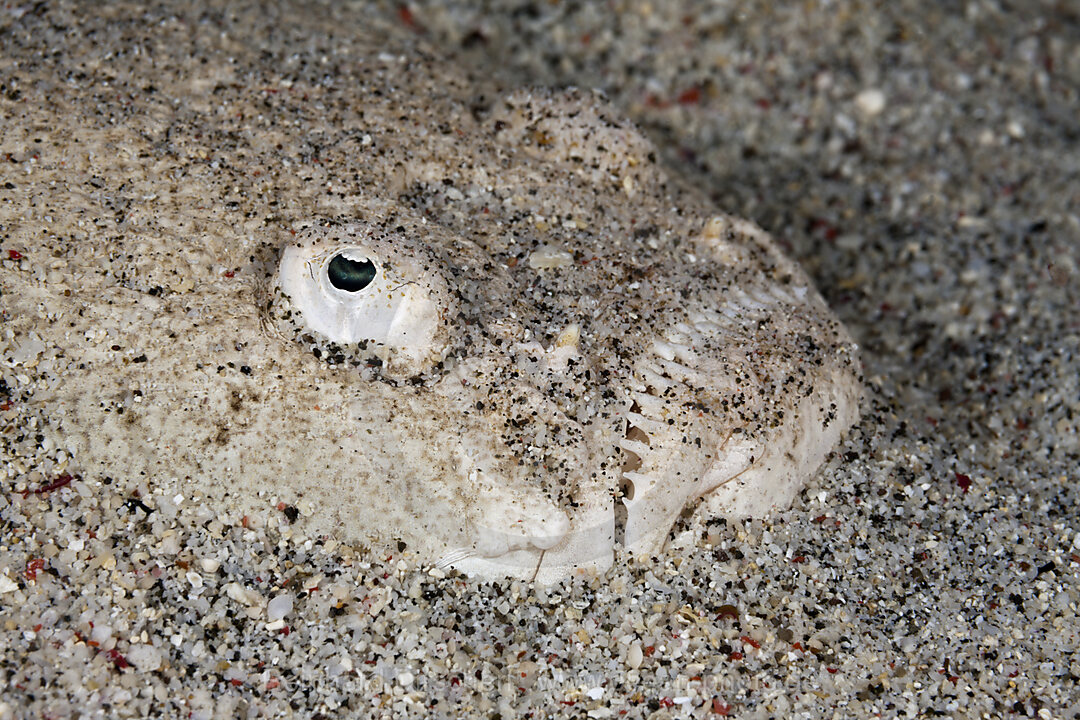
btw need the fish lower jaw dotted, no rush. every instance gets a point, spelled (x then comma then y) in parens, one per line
(544, 545)
(585, 550)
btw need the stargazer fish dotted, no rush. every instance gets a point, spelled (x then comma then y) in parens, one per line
(485, 325)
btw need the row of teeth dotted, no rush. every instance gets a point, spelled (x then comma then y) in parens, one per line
(675, 361)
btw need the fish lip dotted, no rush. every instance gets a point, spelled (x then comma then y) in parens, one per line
(537, 532)
(587, 546)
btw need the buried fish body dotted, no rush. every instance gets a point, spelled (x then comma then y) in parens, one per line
(488, 325)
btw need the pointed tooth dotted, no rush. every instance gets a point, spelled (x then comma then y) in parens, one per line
(646, 425)
(707, 315)
(680, 333)
(663, 349)
(678, 370)
(650, 404)
(762, 297)
(778, 293)
(686, 329)
(716, 331)
(643, 484)
(686, 355)
(712, 324)
(654, 378)
(745, 301)
(635, 446)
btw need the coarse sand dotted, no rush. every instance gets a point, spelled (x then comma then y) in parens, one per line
(922, 161)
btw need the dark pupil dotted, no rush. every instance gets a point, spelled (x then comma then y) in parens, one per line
(350, 275)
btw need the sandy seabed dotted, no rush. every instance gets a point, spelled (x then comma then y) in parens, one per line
(921, 160)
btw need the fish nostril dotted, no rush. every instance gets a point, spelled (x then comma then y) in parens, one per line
(350, 275)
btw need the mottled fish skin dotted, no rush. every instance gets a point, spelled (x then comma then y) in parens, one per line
(607, 349)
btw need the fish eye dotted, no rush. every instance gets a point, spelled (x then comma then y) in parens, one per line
(352, 286)
(350, 275)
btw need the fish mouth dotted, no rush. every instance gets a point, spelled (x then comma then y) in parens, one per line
(695, 424)
(591, 487)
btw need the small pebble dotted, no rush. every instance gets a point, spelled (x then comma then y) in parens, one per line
(145, 658)
(548, 258)
(279, 606)
(870, 102)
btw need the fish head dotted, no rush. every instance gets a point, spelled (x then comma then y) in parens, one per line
(574, 396)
